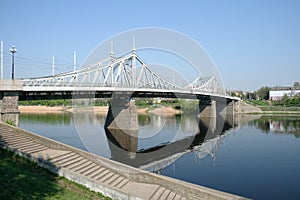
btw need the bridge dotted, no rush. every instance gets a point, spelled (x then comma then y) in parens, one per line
(118, 78)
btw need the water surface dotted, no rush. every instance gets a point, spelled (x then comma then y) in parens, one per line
(256, 158)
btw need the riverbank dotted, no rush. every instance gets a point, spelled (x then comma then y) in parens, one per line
(97, 109)
(23, 179)
(57, 109)
(42, 109)
(246, 108)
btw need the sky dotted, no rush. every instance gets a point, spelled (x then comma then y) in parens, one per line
(253, 43)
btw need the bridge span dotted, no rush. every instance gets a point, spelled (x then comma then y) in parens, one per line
(120, 79)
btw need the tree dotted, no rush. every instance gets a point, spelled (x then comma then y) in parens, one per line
(296, 84)
(263, 93)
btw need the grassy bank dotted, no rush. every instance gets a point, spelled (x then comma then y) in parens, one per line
(23, 179)
(265, 106)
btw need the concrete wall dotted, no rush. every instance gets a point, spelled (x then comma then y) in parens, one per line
(9, 100)
(122, 115)
(9, 107)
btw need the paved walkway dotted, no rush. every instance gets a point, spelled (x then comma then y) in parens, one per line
(81, 169)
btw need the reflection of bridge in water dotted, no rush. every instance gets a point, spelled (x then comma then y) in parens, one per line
(204, 141)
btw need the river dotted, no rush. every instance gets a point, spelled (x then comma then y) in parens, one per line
(257, 158)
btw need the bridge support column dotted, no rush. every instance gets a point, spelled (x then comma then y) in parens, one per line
(9, 99)
(230, 108)
(122, 114)
(207, 108)
(207, 116)
(9, 102)
(122, 122)
(227, 110)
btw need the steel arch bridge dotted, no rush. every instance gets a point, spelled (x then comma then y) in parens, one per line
(128, 73)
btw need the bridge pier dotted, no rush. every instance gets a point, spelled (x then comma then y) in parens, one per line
(216, 114)
(207, 116)
(230, 107)
(207, 108)
(9, 102)
(122, 114)
(227, 111)
(121, 123)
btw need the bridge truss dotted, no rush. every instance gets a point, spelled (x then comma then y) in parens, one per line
(129, 71)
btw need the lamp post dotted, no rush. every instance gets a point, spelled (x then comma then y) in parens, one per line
(13, 50)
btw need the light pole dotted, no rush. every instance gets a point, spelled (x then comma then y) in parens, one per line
(13, 50)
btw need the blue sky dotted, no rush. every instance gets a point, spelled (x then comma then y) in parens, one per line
(253, 43)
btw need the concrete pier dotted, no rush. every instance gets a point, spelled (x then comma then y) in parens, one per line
(122, 114)
(113, 179)
(207, 108)
(216, 114)
(9, 100)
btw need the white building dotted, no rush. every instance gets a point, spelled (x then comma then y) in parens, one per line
(276, 93)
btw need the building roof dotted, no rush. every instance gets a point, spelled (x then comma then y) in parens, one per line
(282, 88)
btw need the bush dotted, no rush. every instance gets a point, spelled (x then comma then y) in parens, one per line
(10, 122)
(51, 102)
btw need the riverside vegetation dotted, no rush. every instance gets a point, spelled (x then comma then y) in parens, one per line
(285, 105)
(186, 106)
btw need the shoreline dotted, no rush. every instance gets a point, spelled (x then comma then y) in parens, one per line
(41, 109)
(166, 111)
(97, 109)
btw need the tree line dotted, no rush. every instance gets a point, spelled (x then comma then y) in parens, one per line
(263, 94)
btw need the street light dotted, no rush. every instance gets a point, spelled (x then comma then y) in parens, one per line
(13, 50)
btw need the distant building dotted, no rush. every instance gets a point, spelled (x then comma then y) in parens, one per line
(277, 93)
(241, 94)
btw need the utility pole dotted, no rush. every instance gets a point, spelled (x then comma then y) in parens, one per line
(53, 66)
(74, 61)
(13, 50)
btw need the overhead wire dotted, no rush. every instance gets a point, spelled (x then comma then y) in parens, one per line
(41, 65)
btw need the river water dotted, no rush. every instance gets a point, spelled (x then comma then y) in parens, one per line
(256, 157)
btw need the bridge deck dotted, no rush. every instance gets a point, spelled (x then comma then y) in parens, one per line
(113, 179)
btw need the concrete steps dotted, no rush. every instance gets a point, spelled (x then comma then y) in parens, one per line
(164, 193)
(21, 143)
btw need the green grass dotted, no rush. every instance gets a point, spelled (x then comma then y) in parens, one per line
(265, 106)
(50, 102)
(257, 102)
(23, 179)
(10, 122)
(280, 108)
